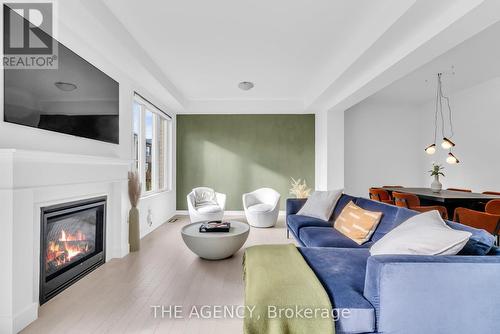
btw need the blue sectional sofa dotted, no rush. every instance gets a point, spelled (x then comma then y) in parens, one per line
(400, 293)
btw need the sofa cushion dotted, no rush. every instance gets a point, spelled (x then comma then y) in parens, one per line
(494, 251)
(423, 234)
(293, 205)
(342, 273)
(341, 203)
(327, 237)
(433, 294)
(321, 204)
(357, 223)
(480, 242)
(297, 222)
(392, 216)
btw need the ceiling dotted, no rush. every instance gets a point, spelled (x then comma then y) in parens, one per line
(474, 61)
(302, 55)
(207, 47)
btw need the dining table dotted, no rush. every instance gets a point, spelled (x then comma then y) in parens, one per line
(451, 199)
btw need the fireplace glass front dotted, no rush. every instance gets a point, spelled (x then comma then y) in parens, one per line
(72, 243)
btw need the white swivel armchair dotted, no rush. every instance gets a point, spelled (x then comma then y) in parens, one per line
(262, 207)
(204, 204)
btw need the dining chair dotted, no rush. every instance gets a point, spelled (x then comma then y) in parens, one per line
(493, 207)
(491, 193)
(380, 195)
(412, 202)
(478, 219)
(462, 190)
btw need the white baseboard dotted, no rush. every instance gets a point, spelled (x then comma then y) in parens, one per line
(6, 324)
(25, 317)
(16, 323)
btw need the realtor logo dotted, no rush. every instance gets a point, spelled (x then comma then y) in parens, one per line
(28, 31)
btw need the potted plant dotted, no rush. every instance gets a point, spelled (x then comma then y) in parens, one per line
(134, 194)
(436, 171)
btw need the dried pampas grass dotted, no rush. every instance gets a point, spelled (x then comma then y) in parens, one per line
(299, 188)
(134, 188)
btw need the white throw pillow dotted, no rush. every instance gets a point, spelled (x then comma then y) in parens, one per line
(204, 196)
(321, 204)
(423, 234)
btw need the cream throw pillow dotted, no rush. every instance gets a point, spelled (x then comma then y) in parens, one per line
(423, 234)
(321, 204)
(357, 223)
(204, 196)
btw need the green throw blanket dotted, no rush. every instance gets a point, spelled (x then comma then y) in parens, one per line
(282, 293)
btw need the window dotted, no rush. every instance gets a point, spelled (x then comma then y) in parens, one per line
(151, 133)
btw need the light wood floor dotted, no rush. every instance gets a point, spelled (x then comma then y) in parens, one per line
(117, 297)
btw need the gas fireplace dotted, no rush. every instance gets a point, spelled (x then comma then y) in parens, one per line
(72, 243)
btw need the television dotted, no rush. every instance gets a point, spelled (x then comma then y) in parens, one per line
(76, 98)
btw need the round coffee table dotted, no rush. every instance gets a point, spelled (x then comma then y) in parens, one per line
(215, 245)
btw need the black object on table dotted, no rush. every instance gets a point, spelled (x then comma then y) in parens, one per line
(215, 226)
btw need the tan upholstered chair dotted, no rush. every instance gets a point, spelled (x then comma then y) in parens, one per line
(412, 202)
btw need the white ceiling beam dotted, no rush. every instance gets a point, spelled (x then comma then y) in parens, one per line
(404, 48)
(245, 106)
(357, 43)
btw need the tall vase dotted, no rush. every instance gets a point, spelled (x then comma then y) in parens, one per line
(436, 186)
(133, 230)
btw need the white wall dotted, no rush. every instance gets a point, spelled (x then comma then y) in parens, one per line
(476, 121)
(59, 178)
(382, 146)
(385, 141)
(87, 34)
(320, 150)
(79, 29)
(329, 147)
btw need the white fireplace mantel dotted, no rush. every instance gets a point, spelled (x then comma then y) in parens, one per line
(30, 180)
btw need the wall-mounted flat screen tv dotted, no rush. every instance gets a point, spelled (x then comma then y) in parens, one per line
(76, 98)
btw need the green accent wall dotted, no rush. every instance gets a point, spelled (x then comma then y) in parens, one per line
(235, 154)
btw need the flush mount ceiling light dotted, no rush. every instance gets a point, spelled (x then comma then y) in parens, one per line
(246, 85)
(447, 144)
(65, 86)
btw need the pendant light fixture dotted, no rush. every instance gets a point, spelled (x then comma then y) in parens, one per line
(451, 159)
(447, 143)
(431, 149)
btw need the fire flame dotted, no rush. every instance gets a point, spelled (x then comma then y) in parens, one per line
(78, 236)
(66, 248)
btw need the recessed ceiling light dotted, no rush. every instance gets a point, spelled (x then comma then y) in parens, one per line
(65, 86)
(246, 85)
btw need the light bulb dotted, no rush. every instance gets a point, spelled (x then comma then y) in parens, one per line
(447, 144)
(431, 149)
(451, 159)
